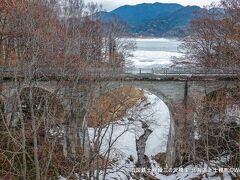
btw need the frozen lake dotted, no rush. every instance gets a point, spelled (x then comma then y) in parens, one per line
(155, 52)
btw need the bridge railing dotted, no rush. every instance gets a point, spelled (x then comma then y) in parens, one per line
(182, 71)
(112, 72)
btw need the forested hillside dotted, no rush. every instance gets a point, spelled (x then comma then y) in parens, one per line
(157, 19)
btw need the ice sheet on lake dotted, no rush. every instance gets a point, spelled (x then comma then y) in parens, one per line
(142, 59)
(156, 52)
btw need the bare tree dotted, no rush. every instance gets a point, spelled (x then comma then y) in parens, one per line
(46, 40)
(213, 38)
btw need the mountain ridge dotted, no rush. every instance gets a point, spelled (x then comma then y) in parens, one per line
(153, 19)
(133, 15)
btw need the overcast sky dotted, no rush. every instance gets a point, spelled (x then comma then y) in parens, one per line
(112, 4)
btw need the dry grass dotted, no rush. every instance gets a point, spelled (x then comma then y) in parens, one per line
(113, 105)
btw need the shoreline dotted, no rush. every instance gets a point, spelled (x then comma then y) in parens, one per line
(153, 37)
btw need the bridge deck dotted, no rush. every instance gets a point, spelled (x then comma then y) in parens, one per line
(127, 73)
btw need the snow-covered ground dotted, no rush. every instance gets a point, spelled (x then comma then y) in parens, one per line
(121, 136)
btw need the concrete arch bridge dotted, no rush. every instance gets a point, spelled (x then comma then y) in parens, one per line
(71, 100)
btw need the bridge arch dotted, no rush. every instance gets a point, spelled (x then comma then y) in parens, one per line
(158, 93)
(43, 98)
(226, 101)
(43, 92)
(170, 151)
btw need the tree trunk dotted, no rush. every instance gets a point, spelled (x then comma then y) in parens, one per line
(35, 143)
(16, 50)
(5, 53)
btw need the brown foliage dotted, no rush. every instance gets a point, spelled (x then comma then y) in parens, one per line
(112, 106)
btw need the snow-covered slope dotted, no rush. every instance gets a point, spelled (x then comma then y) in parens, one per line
(121, 136)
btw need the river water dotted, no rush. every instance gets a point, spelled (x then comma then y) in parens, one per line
(156, 52)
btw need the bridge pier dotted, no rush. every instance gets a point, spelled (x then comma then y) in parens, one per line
(75, 137)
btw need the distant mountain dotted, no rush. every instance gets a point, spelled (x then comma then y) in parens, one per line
(107, 16)
(171, 25)
(157, 19)
(134, 15)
